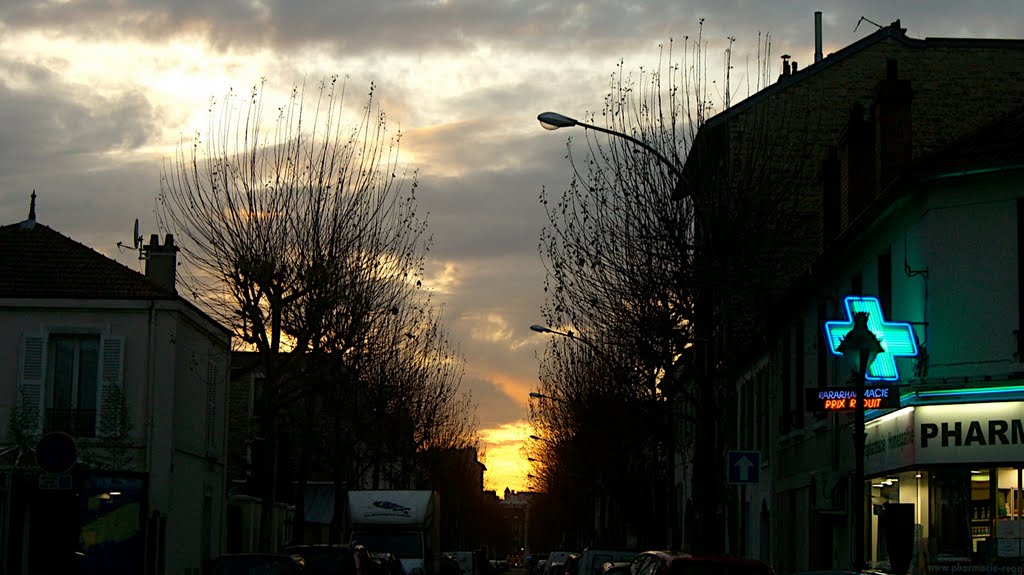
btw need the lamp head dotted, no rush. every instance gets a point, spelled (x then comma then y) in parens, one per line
(554, 121)
(860, 346)
(540, 328)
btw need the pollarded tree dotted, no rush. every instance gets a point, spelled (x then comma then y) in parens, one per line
(303, 238)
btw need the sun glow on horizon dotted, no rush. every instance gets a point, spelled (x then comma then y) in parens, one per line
(506, 464)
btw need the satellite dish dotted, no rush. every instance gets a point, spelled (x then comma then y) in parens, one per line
(136, 237)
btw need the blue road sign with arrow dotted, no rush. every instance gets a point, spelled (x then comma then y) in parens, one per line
(744, 467)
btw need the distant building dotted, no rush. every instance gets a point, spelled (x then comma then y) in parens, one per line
(515, 511)
(113, 400)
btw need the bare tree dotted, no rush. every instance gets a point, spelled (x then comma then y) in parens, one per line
(305, 240)
(634, 269)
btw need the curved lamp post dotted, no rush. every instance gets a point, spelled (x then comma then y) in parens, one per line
(860, 346)
(554, 121)
(538, 395)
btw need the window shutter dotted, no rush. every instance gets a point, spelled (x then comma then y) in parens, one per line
(212, 377)
(109, 420)
(31, 386)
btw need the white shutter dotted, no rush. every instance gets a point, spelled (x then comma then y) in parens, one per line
(212, 376)
(110, 402)
(32, 384)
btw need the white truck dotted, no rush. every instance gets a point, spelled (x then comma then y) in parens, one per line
(405, 523)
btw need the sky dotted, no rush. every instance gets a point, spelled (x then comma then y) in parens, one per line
(95, 96)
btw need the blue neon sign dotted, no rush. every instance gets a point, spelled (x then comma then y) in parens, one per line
(897, 338)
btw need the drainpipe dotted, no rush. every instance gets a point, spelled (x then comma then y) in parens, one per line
(150, 376)
(6, 528)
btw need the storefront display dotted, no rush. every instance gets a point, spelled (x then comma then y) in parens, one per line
(962, 468)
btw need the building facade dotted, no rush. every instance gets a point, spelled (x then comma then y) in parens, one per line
(939, 251)
(113, 401)
(809, 177)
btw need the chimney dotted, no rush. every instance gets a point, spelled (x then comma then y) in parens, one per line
(785, 66)
(893, 128)
(817, 37)
(856, 165)
(161, 261)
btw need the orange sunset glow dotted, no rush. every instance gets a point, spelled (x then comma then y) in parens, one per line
(505, 461)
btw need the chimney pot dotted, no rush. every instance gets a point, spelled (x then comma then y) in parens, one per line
(162, 261)
(817, 37)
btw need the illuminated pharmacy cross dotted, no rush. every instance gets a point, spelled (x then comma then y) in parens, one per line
(897, 338)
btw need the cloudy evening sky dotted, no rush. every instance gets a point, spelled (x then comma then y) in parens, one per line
(96, 94)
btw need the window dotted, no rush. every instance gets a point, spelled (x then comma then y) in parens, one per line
(72, 382)
(72, 385)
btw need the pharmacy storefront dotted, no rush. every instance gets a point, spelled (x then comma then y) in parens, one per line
(959, 467)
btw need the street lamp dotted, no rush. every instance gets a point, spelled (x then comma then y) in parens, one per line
(860, 346)
(545, 329)
(554, 121)
(536, 395)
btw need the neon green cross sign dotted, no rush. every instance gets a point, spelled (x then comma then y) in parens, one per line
(897, 338)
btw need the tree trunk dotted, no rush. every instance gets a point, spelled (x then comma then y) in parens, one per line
(305, 463)
(268, 471)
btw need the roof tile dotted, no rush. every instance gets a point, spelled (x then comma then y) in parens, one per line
(38, 262)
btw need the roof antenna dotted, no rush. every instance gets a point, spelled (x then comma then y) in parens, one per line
(136, 240)
(32, 207)
(863, 19)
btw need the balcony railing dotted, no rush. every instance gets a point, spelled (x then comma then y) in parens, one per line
(74, 422)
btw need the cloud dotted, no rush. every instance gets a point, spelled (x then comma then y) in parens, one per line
(94, 94)
(48, 123)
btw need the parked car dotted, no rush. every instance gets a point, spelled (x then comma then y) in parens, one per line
(572, 564)
(257, 564)
(615, 568)
(387, 564)
(593, 559)
(532, 563)
(555, 558)
(326, 559)
(665, 563)
(467, 561)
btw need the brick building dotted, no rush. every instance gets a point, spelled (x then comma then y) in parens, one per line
(776, 180)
